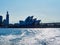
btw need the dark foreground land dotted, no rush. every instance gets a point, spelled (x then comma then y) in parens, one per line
(41, 25)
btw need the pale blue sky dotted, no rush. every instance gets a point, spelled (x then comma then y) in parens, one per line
(46, 10)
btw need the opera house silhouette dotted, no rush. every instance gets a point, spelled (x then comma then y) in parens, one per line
(29, 22)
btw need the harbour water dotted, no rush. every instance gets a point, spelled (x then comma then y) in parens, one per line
(29, 36)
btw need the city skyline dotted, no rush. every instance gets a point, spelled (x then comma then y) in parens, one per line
(45, 10)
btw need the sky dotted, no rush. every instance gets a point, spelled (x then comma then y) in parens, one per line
(44, 10)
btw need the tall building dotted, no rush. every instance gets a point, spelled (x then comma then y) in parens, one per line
(0, 20)
(7, 18)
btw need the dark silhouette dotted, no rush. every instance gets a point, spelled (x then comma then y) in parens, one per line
(6, 21)
(0, 21)
(7, 18)
(29, 22)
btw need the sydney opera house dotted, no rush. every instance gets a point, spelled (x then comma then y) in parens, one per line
(29, 22)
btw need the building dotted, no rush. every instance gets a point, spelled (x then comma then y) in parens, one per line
(0, 20)
(6, 21)
(21, 22)
(7, 18)
(30, 21)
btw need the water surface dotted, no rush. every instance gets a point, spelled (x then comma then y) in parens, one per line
(29, 36)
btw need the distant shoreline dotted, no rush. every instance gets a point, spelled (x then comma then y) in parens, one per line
(41, 25)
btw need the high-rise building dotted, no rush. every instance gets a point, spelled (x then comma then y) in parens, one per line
(7, 18)
(0, 20)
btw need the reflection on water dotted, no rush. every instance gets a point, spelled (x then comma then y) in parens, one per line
(30, 36)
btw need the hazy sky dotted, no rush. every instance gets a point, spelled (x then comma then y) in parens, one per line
(46, 10)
